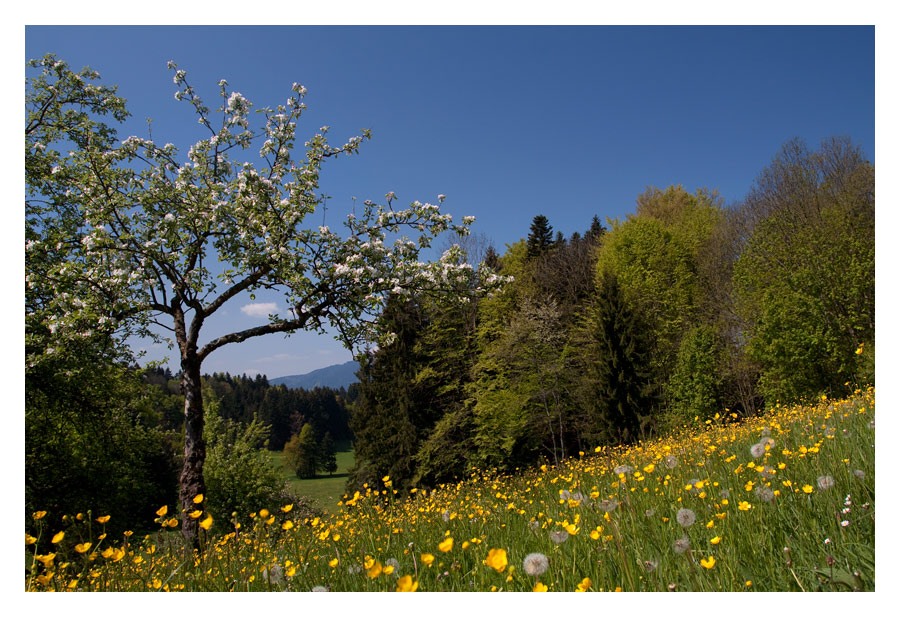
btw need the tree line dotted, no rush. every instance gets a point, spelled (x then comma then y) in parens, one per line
(683, 310)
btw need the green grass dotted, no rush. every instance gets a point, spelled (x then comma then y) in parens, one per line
(324, 490)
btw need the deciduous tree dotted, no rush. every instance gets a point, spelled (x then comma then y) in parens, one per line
(144, 238)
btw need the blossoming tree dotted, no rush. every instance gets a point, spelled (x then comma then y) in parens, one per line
(125, 237)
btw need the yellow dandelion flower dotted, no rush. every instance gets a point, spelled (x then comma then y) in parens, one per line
(102, 519)
(497, 559)
(58, 537)
(162, 511)
(446, 545)
(207, 522)
(708, 563)
(406, 583)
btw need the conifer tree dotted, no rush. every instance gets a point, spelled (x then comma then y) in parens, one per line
(619, 376)
(383, 417)
(541, 237)
(327, 455)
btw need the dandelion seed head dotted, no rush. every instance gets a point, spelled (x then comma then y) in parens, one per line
(671, 462)
(765, 494)
(608, 505)
(825, 482)
(757, 450)
(319, 588)
(650, 566)
(686, 517)
(859, 474)
(559, 537)
(681, 545)
(535, 564)
(621, 469)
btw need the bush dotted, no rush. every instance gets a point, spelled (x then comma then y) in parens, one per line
(239, 475)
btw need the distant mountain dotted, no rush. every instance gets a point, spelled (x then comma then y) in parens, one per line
(334, 376)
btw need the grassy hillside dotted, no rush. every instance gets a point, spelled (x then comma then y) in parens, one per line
(781, 502)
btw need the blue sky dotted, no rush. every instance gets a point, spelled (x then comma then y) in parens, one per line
(508, 122)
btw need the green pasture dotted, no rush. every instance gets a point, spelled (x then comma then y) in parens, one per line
(326, 490)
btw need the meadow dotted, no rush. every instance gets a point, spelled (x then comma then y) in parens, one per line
(324, 490)
(784, 501)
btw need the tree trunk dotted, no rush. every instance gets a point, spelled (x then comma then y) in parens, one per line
(192, 483)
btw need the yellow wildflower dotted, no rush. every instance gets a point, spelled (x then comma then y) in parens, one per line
(446, 545)
(333, 563)
(539, 587)
(584, 585)
(287, 508)
(807, 489)
(39, 514)
(198, 498)
(715, 540)
(162, 511)
(497, 559)
(58, 537)
(744, 506)
(708, 563)
(207, 522)
(29, 540)
(406, 583)
(196, 514)
(287, 525)
(427, 558)
(82, 548)
(102, 519)
(375, 570)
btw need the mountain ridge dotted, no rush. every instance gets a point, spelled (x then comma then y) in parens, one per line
(335, 376)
